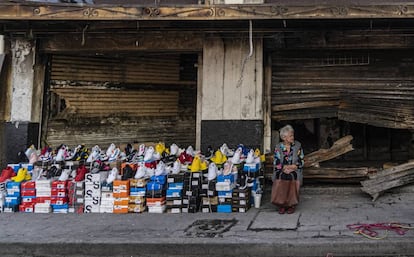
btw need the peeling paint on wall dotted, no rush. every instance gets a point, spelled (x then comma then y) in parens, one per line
(22, 79)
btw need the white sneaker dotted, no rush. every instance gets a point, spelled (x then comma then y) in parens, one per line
(61, 154)
(141, 150)
(190, 151)
(148, 157)
(96, 152)
(110, 149)
(160, 170)
(140, 172)
(64, 175)
(176, 167)
(149, 172)
(114, 155)
(236, 157)
(212, 171)
(250, 157)
(112, 176)
(174, 150)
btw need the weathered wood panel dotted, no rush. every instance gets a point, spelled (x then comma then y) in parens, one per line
(163, 69)
(371, 87)
(99, 112)
(232, 81)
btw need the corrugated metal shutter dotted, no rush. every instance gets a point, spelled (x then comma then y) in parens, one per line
(100, 100)
(372, 87)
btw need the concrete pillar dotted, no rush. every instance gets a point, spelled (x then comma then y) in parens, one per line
(232, 93)
(21, 128)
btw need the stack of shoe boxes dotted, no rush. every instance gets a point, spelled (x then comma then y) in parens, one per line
(156, 194)
(137, 199)
(209, 196)
(192, 190)
(251, 170)
(59, 199)
(13, 197)
(43, 196)
(224, 187)
(92, 192)
(76, 195)
(107, 196)
(121, 189)
(3, 192)
(28, 196)
(175, 193)
(241, 200)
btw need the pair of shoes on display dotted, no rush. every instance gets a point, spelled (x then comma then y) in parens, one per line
(6, 174)
(22, 175)
(212, 171)
(141, 171)
(127, 172)
(80, 173)
(113, 174)
(226, 150)
(219, 158)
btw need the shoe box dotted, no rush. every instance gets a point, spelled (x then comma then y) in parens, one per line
(76, 194)
(175, 178)
(142, 182)
(157, 209)
(12, 198)
(42, 208)
(28, 193)
(92, 193)
(224, 208)
(59, 197)
(156, 205)
(209, 204)
(251, 167)
(208, 188)
(121, 188)
(136, 208)
(107, 202)
(43, 188)
(2, 196)
(208, 208)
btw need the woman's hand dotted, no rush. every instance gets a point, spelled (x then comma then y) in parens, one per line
(289, 168)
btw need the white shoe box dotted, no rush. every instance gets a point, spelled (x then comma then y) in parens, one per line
(107, 195)
(107, 202)
(89, 177)
(106, 209)
(44, 192)
(157, 209)
(61, 211)
(43, 208)
(91, 208)
(224, 186)
(43, 184)
(91, 193)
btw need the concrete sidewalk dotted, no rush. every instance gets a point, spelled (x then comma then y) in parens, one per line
(318, 228)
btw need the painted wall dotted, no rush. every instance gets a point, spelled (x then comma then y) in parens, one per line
(232, 83)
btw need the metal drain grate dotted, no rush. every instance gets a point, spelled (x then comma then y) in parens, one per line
(209, 228)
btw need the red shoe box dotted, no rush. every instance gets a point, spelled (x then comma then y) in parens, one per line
(59, 192)
(27, 207)
(28, 192)
(59, 200)
(59, 184)
(43, 200)
(28, 185)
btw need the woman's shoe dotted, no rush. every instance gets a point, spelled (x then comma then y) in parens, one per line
(282, 210)
(291, 210)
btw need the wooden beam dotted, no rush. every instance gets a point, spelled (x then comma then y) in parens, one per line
(183, 41)
(304, 105)
(36, 11)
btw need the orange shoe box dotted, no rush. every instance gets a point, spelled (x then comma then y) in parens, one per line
(121, 201)
(120, 209)
(156, 201)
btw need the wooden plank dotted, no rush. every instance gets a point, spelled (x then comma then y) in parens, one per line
(304, 105)
(340, 147)
(336, 173)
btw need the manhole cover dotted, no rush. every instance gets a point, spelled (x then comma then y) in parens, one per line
(209, 228)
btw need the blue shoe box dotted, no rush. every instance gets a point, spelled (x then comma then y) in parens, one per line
(15, 167)
(251, 167)
(227, 194)
(174, 192)
(12, 200)
(176, 185)
(154, 186)
(226, 178)
(225, 208)
(160, 179)
(137, 191)
(13, 185)
(59, 206)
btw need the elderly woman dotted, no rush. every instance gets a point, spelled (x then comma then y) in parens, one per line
(287, 174)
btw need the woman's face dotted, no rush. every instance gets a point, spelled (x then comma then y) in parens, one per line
(289, 138)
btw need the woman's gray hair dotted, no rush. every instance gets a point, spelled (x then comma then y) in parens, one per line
(285, 130)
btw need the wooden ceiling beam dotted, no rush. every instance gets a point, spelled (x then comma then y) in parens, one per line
(36, 11)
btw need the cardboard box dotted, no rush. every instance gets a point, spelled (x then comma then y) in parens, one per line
(44, 200)
(241, 202)
(90, 193)
(121, 201)
(208, 208)
(96, 177)
(59, 200)
(175, 178)
(91, 208)
(28, 185)
(225, 200)
(242, 193)
(13, 185)
(29, 199)
(106, 209)
(156, 209)
(174, 193)
(178, 185)
(226, 194)
(59, 192)
(92, 201)
(27, 207)
(156, 201)
(137, 200)
(175, 202)
(159, 179)
(138, 191)
(59, 184)
(138, 182)
(210, 200)
(121, 184)
(226, 208)
(43, 192)
(136, 208)
(119, 209)
(173, 210)
(238, 208)
(224, 186)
